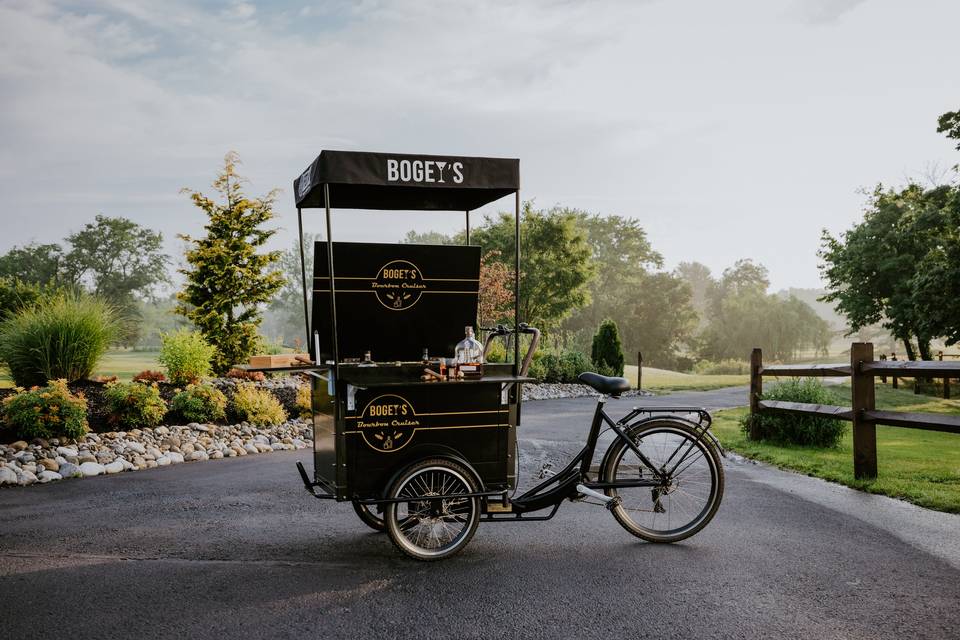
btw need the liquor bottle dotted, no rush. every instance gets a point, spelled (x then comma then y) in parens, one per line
(469, 355)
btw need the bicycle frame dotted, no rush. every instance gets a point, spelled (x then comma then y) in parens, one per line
(563, 485)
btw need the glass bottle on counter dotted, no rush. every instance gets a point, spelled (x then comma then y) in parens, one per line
(469, 355)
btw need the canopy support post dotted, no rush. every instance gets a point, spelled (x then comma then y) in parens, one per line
(303, 278)
(468, 226)
(516, 286)
(333, 296)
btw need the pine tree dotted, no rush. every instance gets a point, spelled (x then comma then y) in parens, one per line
(607, 352)
(228, 280)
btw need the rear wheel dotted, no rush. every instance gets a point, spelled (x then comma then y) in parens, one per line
(368, 513)
(687, 497)
(430, 522)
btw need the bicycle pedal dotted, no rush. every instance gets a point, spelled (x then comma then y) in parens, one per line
(545, 471)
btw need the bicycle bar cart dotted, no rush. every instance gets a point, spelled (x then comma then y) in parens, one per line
(422, 455)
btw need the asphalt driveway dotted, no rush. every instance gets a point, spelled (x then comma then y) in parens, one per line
(235, 548)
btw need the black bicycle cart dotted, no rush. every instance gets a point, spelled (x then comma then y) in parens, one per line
(422, 453)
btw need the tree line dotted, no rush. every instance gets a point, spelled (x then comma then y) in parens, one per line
(577, 270)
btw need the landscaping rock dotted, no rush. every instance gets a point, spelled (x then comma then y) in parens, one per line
(50, 465)
(135, 447)
(19, 445)
(163, 461)
(70, 470)
(7, 476)
(26, 477)
(175, 458)
(90, 469)
(114, 467)
(48, 476)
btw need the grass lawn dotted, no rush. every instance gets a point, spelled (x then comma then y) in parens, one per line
(121, 363)
(665, 380)
(922, 467)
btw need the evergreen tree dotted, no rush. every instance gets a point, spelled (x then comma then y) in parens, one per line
(607, 352)
(228, 280)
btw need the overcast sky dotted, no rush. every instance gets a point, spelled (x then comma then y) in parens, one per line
(729, 129)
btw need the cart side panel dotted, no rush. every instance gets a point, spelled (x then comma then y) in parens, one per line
(390, 427)
(325, 448)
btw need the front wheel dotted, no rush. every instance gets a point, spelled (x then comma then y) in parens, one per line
(687, 496)
(428, 521)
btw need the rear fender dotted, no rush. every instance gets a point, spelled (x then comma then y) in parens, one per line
(424, 452)
(668, 419)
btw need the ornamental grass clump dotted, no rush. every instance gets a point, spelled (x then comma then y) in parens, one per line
(59, 337)
(46, 412)
(186, 355)
(792, 428)
(257, 406)
(200, 403)
(134, 404)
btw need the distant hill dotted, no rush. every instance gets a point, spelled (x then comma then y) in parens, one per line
(823, 309)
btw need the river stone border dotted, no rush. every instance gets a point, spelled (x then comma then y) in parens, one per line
(42, 461)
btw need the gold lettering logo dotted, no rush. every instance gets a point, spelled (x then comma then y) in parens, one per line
(387, 423)
(398, 285)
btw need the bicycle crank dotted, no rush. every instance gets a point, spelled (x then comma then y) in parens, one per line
(610, 503)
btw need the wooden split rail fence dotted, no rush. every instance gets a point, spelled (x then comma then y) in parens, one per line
(863, 412)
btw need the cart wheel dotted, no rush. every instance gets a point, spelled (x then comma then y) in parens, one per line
(368, 513)
(427, 527)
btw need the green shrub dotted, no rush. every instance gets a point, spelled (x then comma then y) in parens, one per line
(792, 428)
(134, 404)
(724, 367)
(305, 401)
(607, 351)
(498, 351)
(58, 337)
(48, 412)
(564, 366)
(257, 406)
(186, 355)
(200, 403)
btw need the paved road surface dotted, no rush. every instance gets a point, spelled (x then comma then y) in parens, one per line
(234, 548)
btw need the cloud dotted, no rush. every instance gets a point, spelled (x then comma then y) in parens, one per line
(820, 12)
(671, 112)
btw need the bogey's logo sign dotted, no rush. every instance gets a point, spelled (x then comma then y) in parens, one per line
(387, 423)
(424, 171)
(398, 285)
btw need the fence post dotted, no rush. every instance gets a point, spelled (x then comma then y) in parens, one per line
(893, 356)
(946, 381)
(756, 389)
(639, 370)
(863, 398)
(883, 378)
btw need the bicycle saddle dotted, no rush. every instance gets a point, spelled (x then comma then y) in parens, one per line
(604, 384)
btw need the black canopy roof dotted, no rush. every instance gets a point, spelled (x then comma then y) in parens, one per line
(363, 180)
